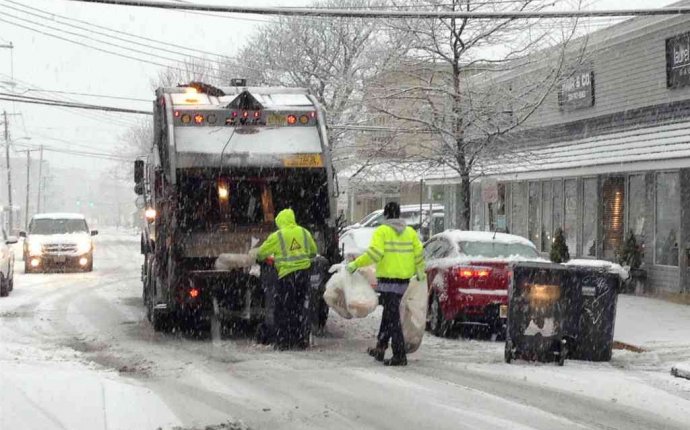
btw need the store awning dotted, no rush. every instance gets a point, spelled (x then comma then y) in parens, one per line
(649, 148)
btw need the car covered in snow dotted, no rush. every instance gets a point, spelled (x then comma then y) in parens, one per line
(355, 239)
(58, 240)
(6, 263)
(468, 273)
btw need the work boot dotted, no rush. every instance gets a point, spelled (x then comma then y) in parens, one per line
(377, 353)
(395, 361)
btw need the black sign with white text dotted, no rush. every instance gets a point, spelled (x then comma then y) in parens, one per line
(577, 91)
(678, 61)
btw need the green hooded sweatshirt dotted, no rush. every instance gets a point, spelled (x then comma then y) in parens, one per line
(292, 246)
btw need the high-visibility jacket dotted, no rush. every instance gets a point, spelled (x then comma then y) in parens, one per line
(292, 246)
(396, 250)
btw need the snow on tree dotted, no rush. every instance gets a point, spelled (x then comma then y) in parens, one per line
(466, 83)
(333, 57)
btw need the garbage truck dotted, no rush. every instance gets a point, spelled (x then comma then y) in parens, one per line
(223, 162)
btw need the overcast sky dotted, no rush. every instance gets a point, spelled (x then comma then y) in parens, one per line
(41, 61)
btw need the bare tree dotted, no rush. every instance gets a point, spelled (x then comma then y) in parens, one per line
(467, 83)
(334, 58)
(191, 69)
(136, 142)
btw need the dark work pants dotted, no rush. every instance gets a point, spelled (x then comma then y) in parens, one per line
(291, 310)
(391, 329)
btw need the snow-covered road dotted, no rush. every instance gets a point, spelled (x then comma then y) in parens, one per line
(77, 353)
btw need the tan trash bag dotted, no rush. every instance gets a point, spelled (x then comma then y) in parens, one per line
(413, 308)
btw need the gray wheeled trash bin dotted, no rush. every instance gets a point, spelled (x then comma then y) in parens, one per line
(599, 296)
(542, 313)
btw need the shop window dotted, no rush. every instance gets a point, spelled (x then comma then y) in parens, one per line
(497, 211)
(570, 218)
(476, 207)
(638, 215)
(667, 219)
(589, 218)
(519, 209)
(534, 203)
(546, 217)
(557, 205)
(613, 196)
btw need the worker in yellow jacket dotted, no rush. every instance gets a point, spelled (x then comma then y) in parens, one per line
(292, 248)
(398, 254)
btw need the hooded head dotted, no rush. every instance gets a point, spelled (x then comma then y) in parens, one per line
(391, 210)
(285, 218)
(392, 214)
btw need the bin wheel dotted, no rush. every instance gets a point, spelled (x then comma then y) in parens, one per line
(563, 352)
(508, 353)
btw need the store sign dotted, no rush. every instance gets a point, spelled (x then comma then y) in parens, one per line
(678, 61)
(577, 91)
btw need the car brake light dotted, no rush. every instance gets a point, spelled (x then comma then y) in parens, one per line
(473, 273)
(194, 293)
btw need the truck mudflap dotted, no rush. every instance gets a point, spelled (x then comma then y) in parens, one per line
(230, 295)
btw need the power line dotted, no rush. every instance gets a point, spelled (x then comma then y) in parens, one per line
(101, 155)
(49, 102)
(66, 18)
(114, 120)
(94, 40)
(103, 96)
(393, 14)
(141, 60)
(122, 39)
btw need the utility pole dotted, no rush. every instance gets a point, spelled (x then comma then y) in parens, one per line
(40, 173)
(9, 171)
(28, 181)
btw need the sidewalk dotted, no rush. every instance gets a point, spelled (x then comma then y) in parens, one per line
(659, 328)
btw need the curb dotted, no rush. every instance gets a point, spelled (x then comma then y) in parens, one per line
(627, 346)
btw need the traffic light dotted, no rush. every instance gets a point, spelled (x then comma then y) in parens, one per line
(90, 204)
(78, 202)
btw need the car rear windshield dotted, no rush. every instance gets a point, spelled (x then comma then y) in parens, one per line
(58, 226)
(497, 249)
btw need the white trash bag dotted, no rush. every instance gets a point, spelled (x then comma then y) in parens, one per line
(236, 261)
(413, 308)
(359, 298)
(334, 296)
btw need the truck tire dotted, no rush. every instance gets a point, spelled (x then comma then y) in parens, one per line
(4, 286)
(161, 321)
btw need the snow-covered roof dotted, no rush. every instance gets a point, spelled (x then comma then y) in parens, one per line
(643, 148)
(59, 215)
(455, 236)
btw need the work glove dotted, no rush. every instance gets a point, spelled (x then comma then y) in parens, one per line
(421, 276)
(351, 267)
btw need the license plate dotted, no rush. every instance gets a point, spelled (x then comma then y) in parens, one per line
(503, 311)
(303, 160)
(60, 259)
(276, 120)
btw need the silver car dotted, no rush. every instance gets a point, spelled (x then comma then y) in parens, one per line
(6, 264)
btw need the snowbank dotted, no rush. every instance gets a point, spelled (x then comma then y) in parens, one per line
(681, 370)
